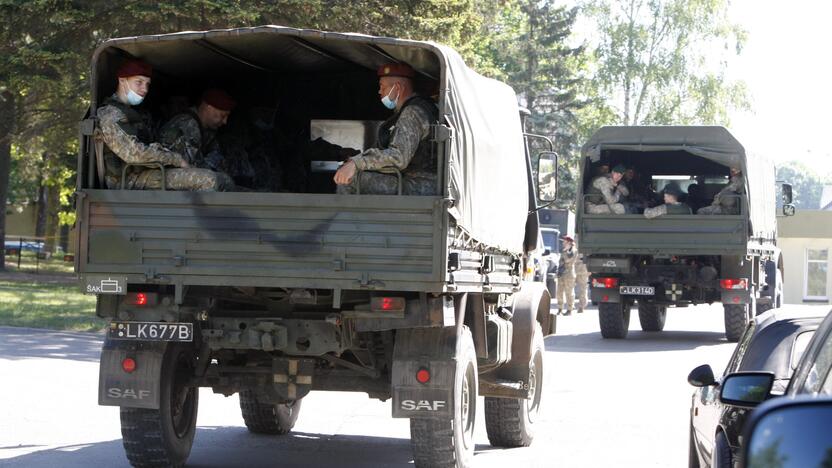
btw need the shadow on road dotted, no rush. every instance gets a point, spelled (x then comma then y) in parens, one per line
(26, 343)
(636, 341)
(235, 446)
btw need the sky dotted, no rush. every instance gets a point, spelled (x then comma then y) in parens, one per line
(787, 66)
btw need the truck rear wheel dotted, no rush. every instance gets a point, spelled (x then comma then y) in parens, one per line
(736, 318)
(268, 418)
(450, 443)
(510, 421)
(614, 318)
(651, 316)
(163, 437)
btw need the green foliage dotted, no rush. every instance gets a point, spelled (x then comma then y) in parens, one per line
(45, 305)
(663, 61)
(807, 184)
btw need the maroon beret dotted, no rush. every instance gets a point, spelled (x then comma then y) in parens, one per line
(219, 99)
(134, 67)
(396, 69)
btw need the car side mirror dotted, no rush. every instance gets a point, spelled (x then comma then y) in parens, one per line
(788, 195)
(547, 176)
(789, 210)
(789, 432)
(702, 376)
(747, 389)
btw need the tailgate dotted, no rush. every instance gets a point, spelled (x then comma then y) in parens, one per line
(668, 235)
(264, 239)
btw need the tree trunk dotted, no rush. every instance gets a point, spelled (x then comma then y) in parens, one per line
(52, 219)
(40, 218)
(7, 118)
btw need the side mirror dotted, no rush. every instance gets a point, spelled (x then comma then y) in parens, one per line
(789, 432)
(702, 376)
(787, 194)
(789, 210)
(547, 176)
(747, 389)
(547, 252)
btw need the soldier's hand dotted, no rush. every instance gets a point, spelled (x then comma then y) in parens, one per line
(345, 173)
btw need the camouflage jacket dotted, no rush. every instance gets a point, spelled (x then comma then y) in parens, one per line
(128, 139)
(726, 197)
(403, 141)
(568, 257)
(580, 268)
(602, 190)
(184, 134)
(667, 208)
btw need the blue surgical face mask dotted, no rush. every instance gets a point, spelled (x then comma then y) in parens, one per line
(389, 103)
(133, 98)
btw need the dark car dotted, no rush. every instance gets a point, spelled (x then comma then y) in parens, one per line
(772, 342)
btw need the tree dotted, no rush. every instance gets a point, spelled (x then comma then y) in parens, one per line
(663, 61)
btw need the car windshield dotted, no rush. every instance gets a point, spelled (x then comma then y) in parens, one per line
(550, 239)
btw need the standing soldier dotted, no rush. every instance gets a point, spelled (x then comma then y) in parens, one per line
(126, 132)
(581, 281)
(566, 275)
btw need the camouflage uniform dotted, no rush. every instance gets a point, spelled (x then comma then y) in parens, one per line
(581, 281)
(566, 279)
(604, 196)
(726, 201)
(184, 134)
(402, 144)
(127, 136)
(667, 208)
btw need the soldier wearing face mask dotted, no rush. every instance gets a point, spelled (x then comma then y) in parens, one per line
(402, 142)
(127, 134)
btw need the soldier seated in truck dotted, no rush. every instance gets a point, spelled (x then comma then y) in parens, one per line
(672, 205)
(127, 137)
(403, 143)
(727, 200)
(193, 133)
(605, 193)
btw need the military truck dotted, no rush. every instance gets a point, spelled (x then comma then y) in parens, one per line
(425, 300)
(676, 260)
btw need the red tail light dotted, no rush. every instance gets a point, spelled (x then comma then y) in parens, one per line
(128, 365)
(141, 299)
(606, 283)
(387, 304)
(734, 283)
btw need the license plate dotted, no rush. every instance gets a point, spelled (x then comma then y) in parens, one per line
(151, 331)
(638, 290)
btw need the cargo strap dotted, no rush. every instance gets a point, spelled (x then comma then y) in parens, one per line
(98, 138)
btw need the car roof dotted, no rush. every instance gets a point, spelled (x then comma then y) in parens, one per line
(771, 346)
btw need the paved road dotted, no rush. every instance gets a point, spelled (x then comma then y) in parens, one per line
(607, 403)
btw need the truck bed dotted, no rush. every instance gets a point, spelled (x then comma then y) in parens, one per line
(665, 235)
(264, 239)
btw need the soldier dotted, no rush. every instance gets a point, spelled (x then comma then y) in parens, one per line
(605, 193)
(566, 275)
(726, 201)
(193, 133)
(127, 134)
(672, 205)
(581, 282)
(402, 142)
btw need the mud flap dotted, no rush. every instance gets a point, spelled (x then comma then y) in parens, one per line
(137, 389)
(431, 349)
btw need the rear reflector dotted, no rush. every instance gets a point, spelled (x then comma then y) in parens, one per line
(423, 376)
(606, 283)
(734, 283)
(128, 365)
(387, 304)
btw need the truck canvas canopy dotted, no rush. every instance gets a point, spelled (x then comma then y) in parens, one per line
(482, 161)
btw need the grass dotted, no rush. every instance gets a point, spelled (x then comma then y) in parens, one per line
(47, 305)
(29, 263)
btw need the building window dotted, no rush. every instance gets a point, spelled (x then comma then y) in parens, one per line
(817, 267)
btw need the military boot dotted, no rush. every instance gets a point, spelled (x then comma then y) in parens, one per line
(568, 312)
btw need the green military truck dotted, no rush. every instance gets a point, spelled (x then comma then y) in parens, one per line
(676, 260)
(425, 300)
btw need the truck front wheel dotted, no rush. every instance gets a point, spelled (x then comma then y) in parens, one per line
(440, 442)
(651, 316)
(736, 318)
(267, 418)
(163, 437)
(614, 318)
(510, 421)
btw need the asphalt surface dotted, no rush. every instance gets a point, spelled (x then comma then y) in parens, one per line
(621, 403)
